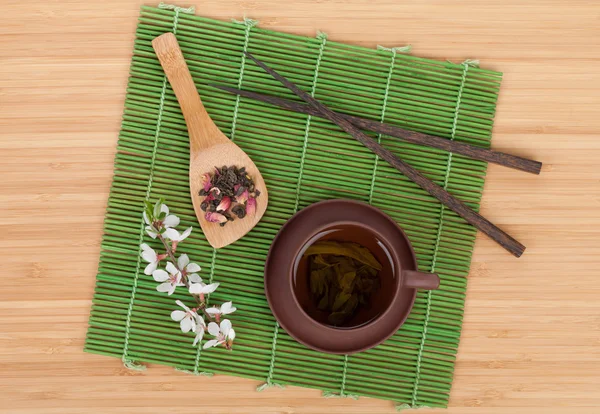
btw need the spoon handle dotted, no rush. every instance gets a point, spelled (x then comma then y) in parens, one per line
(202, 130)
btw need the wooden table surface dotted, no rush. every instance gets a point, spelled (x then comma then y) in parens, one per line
(531, 338)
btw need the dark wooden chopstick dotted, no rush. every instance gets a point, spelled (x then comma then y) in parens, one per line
(472, 217)
(472, 151)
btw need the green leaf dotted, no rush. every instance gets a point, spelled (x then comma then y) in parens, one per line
(340, 300)
(351, 304)
(149, 210)
(318, 282)
(337, 318)
(324, 303)
(332, 294)
(352, 250)
(346, 282)
(319, 260)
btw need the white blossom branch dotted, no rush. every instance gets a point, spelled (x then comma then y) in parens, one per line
(179, 272)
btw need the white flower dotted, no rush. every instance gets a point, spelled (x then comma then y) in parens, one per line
(225, 309)
(171, 280)
(152, 232)
(194, 278)
(149, 255)
(200, 328)
(188, 320)
(176, 236)
(170, 220)
(223, 333)
(161, 220)
(197, 287)
(183, 263)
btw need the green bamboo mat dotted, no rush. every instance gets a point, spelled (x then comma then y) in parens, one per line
(303, 160)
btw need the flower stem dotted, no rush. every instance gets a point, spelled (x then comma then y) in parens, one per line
(169, 251)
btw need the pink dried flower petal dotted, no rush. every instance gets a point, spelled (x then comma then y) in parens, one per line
(251, 206)
(216, 190)
(217, 172)
(215, 217)
(206, 181)
(224, 204)
(242, 197)
(210, 197)
(235, 188)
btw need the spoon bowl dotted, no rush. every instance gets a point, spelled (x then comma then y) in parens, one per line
(209, 147)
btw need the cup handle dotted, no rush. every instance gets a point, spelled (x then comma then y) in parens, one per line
(420, 280)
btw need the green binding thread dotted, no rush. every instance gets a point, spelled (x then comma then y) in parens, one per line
(466, 66)
(331, 394)
(189, 10)
(323, 38)
(195, 372)
(210, 280)
(343, 386)
(402, 407)
(394, 50)
(249, 23)
(269, 382)
(129, 364)
(264, 386)
(126, 361)
(474, 63)
(342, 393)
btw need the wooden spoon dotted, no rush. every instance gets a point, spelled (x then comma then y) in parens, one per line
(209, 147)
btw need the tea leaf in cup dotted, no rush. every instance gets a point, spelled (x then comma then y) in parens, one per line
(348, 249)
(340, 300)
(346, 281)
(319, 260)
(342, 276)
(324, 303)
(339, 317)
(318, 283)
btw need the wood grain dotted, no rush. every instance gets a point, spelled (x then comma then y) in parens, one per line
(209, 147)
(531, 338)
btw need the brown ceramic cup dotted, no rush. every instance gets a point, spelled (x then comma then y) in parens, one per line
(289, 300)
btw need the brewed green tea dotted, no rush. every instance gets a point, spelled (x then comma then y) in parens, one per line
(341, 282)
